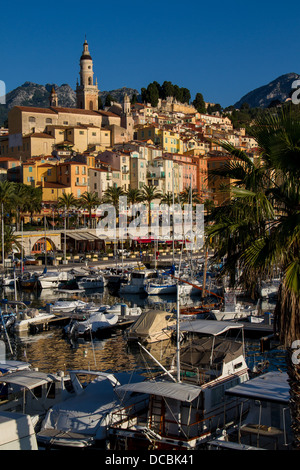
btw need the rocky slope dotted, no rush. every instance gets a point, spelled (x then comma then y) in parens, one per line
(278, 90)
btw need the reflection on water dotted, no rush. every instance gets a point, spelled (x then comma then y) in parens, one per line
(50, 351)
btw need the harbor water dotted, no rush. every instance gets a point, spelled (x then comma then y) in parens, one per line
(52, 351)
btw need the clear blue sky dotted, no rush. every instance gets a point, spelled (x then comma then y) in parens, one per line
(221, 49)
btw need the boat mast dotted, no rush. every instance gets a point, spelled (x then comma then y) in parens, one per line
(2, 227)
(178, 333)
(173, 232)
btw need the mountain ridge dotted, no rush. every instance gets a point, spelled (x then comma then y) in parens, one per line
(279, 89)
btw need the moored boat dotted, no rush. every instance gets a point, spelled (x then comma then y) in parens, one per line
(186, 404)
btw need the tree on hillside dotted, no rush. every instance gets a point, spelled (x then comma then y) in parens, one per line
(186, 95)
(151, 94)
(199, 103)
(167, 89)
(155, 91)
(108, 100)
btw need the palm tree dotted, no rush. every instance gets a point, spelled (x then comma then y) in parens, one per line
(168, 200)
(33, 200)
(263, 219)
(149, 194)
(241, 217)
(89, 200)
(67, 201)
(7, 195)
(10, 240)
(187, 193)
(112, 196)
(21, 193)
(134, 196)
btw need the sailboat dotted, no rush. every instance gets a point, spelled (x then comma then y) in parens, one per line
(186, 402)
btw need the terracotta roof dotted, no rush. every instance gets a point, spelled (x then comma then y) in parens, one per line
(9, 159)
(39, 135)
(73, 111)
(47, 164)
(107, 113)
(31, 109)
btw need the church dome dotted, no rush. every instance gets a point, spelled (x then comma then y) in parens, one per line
(86, 57)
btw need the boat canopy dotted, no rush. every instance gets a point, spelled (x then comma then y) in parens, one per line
(177, 391)
(28, 378)
(206, 352)
(209, 327)
(151, 322)
(13, 366)
(272, 387)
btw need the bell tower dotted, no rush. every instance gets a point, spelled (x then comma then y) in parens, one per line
(86, 92)
(53, 98)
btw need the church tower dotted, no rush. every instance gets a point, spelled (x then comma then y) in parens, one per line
(126, 105)
(86, 92)
(53, 98)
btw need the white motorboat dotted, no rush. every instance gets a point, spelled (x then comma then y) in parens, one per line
(183, 414)
(17, 432)
(137, 281)
(83, 420)
(233, 310)
(123, 310)
(92, 282)
(161, 286)
(267, 425)
(69, 306)
(32, 392)
(52, 280)
(95, 324)
(7, 281)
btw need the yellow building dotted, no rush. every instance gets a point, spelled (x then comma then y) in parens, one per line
(44, 172)
(168, 139)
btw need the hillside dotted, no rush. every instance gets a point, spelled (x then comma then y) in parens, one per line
(278, 90)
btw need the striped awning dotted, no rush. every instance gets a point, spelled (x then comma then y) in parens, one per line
(82, 236)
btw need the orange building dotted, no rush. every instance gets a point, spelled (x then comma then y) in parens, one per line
(74, 175)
